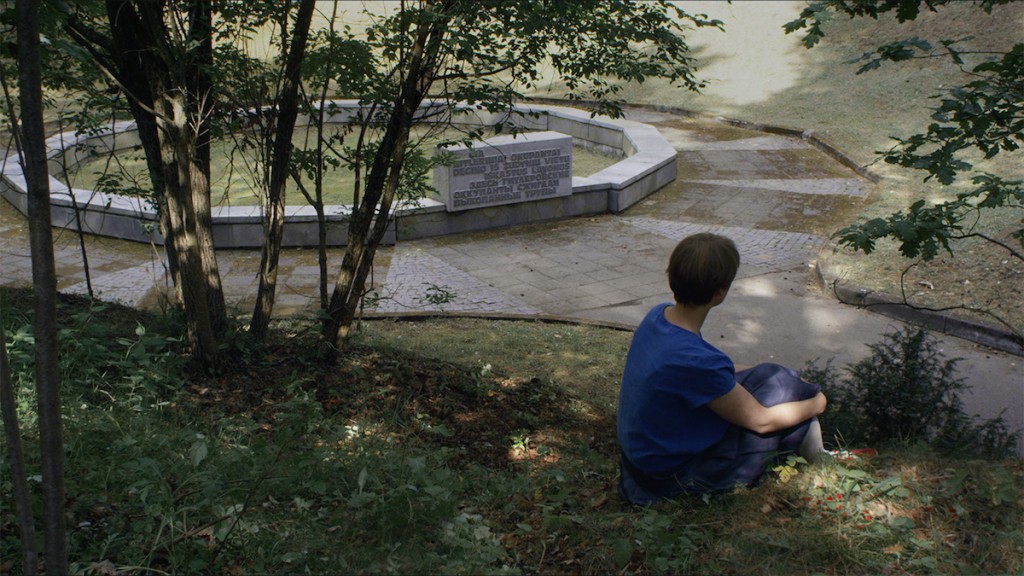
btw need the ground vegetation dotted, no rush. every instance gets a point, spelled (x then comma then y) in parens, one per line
(452, 446)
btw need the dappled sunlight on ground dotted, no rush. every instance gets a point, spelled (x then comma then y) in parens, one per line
(762, 287)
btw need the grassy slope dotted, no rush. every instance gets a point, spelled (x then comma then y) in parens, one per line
(446, 447)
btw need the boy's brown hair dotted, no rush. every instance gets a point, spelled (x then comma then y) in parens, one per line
(701, 265)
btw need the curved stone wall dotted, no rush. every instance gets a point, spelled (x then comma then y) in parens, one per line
(649, 164)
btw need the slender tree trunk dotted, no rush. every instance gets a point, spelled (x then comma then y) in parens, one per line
(176, 140)
(44, 284)
(281, 157)
(16, 455)
(8, 406)
(168, 87)
(371, 217)
(321, 218)
(134, 63)
(200, 91)
(80, 233)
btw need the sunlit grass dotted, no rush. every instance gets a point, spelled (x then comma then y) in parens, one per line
(233, 166)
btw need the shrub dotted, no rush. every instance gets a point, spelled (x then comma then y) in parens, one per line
(906, 391)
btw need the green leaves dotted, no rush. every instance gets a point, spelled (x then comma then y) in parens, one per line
(923, 229)
(920, 231)
(986, 115)
(895, 52)
(199, 451)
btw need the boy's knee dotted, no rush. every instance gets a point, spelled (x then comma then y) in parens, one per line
(774, 384)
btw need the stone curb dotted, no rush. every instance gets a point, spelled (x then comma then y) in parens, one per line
(541, 318)
(648, 163)
(828, 281)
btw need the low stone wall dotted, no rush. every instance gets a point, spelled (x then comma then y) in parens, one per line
(649, 164)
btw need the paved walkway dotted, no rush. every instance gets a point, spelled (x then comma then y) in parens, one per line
(777, 197)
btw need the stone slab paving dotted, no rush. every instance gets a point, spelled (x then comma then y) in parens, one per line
(826, 186)
(760, 250)
(730, 186)
(583, 266)
(420, 281)
(614, 261)
(128, 286)
(683, 140)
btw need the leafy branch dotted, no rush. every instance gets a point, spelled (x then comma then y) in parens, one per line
(922, 230)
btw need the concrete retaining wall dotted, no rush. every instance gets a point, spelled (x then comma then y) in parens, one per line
(649, 164)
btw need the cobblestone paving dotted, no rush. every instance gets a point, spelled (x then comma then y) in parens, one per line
(760, 250)
(120, 286)
(758, 189)
(419, 281)
(739, 188)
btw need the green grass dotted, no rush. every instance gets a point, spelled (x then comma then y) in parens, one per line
(232, 168)
(447, 447)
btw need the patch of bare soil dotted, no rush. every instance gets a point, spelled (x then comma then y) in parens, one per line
(981, 283)
(489, 420)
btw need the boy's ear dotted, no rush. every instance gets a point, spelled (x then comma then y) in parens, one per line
(721, 293)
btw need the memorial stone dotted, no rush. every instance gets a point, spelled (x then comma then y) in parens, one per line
(506, 170)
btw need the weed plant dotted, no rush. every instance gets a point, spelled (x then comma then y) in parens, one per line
(396, 462)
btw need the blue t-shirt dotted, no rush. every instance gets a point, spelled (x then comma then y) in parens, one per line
(670, 376)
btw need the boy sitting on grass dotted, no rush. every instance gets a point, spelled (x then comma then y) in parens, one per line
(688, 422)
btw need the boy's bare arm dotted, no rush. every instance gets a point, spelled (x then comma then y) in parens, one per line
(739, 407)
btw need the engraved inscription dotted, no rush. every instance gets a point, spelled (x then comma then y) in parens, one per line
(508, 170)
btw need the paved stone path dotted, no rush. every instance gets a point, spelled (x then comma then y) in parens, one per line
(763, 191)
(579, 267)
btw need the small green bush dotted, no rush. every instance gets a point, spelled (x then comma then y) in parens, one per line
(907, 392)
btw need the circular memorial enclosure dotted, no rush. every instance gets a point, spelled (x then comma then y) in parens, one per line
(647, 164)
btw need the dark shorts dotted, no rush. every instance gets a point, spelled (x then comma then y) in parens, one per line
(740, 457)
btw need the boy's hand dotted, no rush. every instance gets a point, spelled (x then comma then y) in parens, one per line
(820, 399)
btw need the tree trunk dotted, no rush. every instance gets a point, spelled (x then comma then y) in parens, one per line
(16, 455)
(200, 91)
(370, 218)
(44, 284)
(288, 105)
(169, 92)
(133, 62)
(8, 406)
(176, 142)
